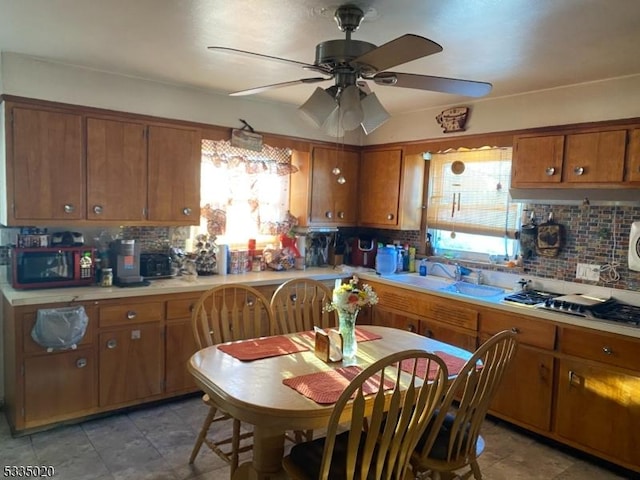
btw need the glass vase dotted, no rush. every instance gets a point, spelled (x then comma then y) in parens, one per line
(347, 328)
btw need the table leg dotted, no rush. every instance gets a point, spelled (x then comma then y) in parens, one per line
(268, 451)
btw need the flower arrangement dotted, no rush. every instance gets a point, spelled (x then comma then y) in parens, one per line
(350, 298)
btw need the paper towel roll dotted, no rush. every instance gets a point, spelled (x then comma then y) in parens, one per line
(223, 259)
(301, 245)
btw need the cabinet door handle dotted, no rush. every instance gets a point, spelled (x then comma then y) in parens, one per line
(543, 372)
(575, 380)
(340, 214)
(607, 350)
(186, 211)
(81, 362)
(549, 171)
(97, 209)
(69, 208)
(578, 170)
(428, 333)
(112, 343)
(250, 302)
(328, 214)
(390, 216)
(515, 329)
(131, 314)
(411, 328)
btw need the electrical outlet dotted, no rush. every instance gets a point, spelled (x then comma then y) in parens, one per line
(587, 271)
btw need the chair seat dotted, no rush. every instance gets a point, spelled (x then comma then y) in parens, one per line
(441, 444)
(307, 457)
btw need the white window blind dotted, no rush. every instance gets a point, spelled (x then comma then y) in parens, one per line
(477, 200)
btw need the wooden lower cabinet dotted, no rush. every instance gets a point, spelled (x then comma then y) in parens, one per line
(598, 408)
(59, 386)
(180, 344)
(131, 360)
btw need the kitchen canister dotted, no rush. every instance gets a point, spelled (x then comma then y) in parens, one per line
(222, 259)
(386, 259)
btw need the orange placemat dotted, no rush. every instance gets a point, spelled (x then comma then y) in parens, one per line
(361, 335)
(326, 387)
(266, 347)
(454, 364)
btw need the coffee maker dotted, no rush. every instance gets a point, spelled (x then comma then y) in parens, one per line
(125, 261)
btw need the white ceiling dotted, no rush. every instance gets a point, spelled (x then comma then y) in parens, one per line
(517, 45)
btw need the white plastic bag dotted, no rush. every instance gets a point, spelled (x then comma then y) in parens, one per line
(60, 328)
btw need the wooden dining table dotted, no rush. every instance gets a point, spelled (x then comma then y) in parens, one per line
(253, 391)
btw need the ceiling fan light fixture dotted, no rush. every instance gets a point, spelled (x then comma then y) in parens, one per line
(374, 113)
(351, 112)
(319, 106)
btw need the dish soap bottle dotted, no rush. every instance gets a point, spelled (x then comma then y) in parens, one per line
(423, 267)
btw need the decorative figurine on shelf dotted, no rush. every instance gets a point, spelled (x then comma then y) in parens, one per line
(347, 300)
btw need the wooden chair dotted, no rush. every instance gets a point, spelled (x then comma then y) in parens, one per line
(383, 428)
(452, 440)
(222, 314)
(297, 306)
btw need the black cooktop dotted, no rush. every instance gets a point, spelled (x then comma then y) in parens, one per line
(618, 312)
(530, 297)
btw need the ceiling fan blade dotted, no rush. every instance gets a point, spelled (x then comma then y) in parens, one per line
(396, 52)
(456, 86)
(306, 66)
(264, 88)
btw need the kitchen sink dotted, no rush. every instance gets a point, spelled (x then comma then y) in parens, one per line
(428, 282)
(472, 290)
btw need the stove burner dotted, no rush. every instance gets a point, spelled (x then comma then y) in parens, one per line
(530, 297)
(618, 312)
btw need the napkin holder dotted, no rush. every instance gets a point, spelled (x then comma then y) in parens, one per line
(328, 345)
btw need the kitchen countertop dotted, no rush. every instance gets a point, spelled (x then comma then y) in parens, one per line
(161, 287)
(497, 301)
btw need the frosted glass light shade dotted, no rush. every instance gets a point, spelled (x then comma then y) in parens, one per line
(319, 106)
(374, 113)
(333, 125)
(350, 108)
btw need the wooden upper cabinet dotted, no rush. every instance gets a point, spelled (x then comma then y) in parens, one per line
(537, 160)
(174, 156)
(391, 189)
(46, 162)
(633, 156)
(116, 170)
(596, 157)
(333, 202)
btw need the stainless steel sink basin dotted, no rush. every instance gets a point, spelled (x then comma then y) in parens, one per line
(471, 290)
(428, 282)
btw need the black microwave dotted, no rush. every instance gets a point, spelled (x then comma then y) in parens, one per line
(52, 267)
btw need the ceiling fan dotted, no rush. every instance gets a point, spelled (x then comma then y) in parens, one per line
(349, 103)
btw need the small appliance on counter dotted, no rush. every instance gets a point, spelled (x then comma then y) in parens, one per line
(125, 261)
(52, 267)
(67, 239)
(363, 252)
(155, 265)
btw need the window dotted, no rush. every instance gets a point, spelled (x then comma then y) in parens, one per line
(244, 194)
(469, 214)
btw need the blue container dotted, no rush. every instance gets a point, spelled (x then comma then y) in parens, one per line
(386, 259)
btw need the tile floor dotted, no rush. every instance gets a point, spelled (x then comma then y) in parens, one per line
(154, 443)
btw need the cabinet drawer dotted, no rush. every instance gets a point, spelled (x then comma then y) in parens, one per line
(181, 308)
(452, 313)
(399, 299)
(130, 313)
(531, 331)
(602, 347)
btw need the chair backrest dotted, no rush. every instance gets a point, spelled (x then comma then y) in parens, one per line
(230, 312)
(385, 427)
(297, 306)
(472, 391)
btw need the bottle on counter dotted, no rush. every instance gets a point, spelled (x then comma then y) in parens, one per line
(423, 267)
(106, 279)
(412, 259)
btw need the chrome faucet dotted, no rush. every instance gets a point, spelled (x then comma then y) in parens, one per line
(459, 271)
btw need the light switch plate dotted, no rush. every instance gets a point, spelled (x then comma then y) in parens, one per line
(587, 271)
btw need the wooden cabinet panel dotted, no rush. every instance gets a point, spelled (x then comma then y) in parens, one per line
(451, 312)
(179, 346)
(116, 170)
(380, 188)
(594, 157)
(181, 308)
(29, 320)
(537, 160)
(601, 346)
(59, 385)
(633, 156)
(174, 156)
(525, 394)
(131, 364)
(599, 409)
(47, 166)
(130, 313)
(531, 331)
(459, 337)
